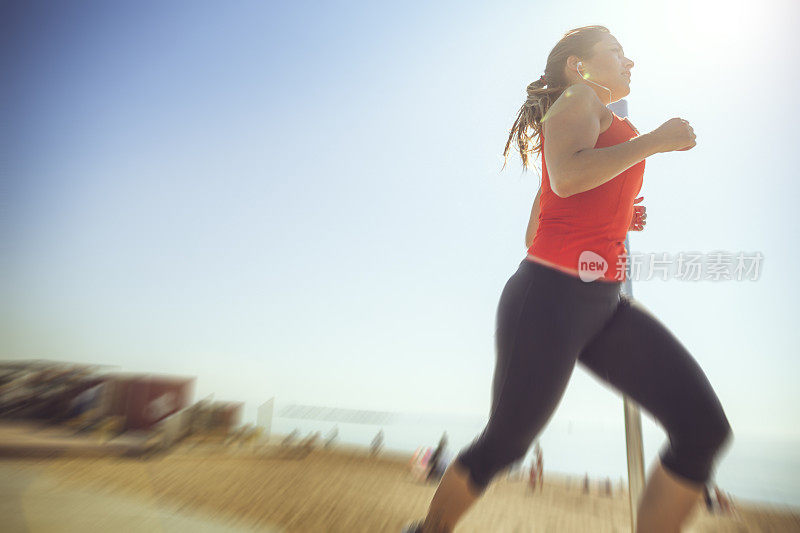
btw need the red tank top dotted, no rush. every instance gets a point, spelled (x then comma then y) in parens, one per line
(584, 230)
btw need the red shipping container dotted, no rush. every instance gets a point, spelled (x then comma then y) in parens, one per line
(145, 400)
(228, 414)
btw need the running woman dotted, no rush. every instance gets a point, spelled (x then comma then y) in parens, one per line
(563, 305)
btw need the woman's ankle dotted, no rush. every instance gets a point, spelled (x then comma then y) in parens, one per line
(454, 496)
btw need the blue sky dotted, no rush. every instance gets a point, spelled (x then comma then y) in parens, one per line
(305, 201)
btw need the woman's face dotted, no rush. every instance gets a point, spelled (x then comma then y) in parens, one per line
(608, 67)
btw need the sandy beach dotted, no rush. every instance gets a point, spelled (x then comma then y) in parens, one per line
(344, 490)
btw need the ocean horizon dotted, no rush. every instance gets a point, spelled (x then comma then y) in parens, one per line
(756, 468)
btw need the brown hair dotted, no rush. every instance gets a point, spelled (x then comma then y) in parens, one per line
(542, 93)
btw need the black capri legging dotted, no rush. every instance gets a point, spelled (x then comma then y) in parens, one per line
(546, 321)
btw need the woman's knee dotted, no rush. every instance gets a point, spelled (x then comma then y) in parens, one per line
(693, 453)
(722, 436)
(484, 461)
(714, 434)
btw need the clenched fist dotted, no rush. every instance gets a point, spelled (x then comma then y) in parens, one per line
(674, 134)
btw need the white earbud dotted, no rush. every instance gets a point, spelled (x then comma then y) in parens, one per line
(577, 69)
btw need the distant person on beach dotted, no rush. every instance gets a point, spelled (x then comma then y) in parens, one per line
(310, 442)
(377, 443)
(437, 469)
(564, 304)
(331, 437)
(513, 471)
(724, 502)
(421, 468)
(719, 502)
(707, 498)
(290, 438)
(433, 463)
(533, 476)
(537, 466)
(417, 465)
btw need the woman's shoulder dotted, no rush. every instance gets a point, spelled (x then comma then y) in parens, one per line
(580, 98)
(578, 95)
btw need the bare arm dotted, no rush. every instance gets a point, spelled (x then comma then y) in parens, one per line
(533, 223)
(573, 164)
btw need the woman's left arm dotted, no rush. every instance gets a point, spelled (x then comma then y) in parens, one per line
(533, 223)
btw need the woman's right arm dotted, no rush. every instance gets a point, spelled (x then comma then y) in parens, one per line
(575, 166)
